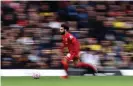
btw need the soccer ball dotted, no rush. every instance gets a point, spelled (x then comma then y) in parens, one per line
(36, 75)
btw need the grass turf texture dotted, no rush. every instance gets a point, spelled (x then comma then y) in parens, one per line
(72, 81)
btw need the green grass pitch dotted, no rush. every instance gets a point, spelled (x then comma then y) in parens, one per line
(72, 81)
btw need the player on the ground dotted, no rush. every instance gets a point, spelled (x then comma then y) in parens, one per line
(73, 46)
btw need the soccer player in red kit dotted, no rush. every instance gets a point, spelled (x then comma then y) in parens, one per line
(73, 46)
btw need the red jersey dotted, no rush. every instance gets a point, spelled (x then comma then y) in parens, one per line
(71, 43)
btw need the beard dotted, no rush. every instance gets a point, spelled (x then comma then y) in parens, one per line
(62, 33)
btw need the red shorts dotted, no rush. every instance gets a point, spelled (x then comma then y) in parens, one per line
(72, 56)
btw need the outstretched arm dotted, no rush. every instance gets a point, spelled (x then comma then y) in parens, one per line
(62, 48)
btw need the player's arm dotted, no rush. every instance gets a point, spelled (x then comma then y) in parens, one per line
(62, 48)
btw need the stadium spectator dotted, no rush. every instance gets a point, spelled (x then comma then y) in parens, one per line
(30, 31)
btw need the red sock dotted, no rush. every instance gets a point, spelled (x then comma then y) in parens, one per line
(65, 64)
(85, 65)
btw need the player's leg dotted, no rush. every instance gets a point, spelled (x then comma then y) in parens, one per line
(64, 62)
(90, 68)
(85, 65)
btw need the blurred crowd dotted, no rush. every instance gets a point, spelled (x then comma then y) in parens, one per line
(30, 32)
